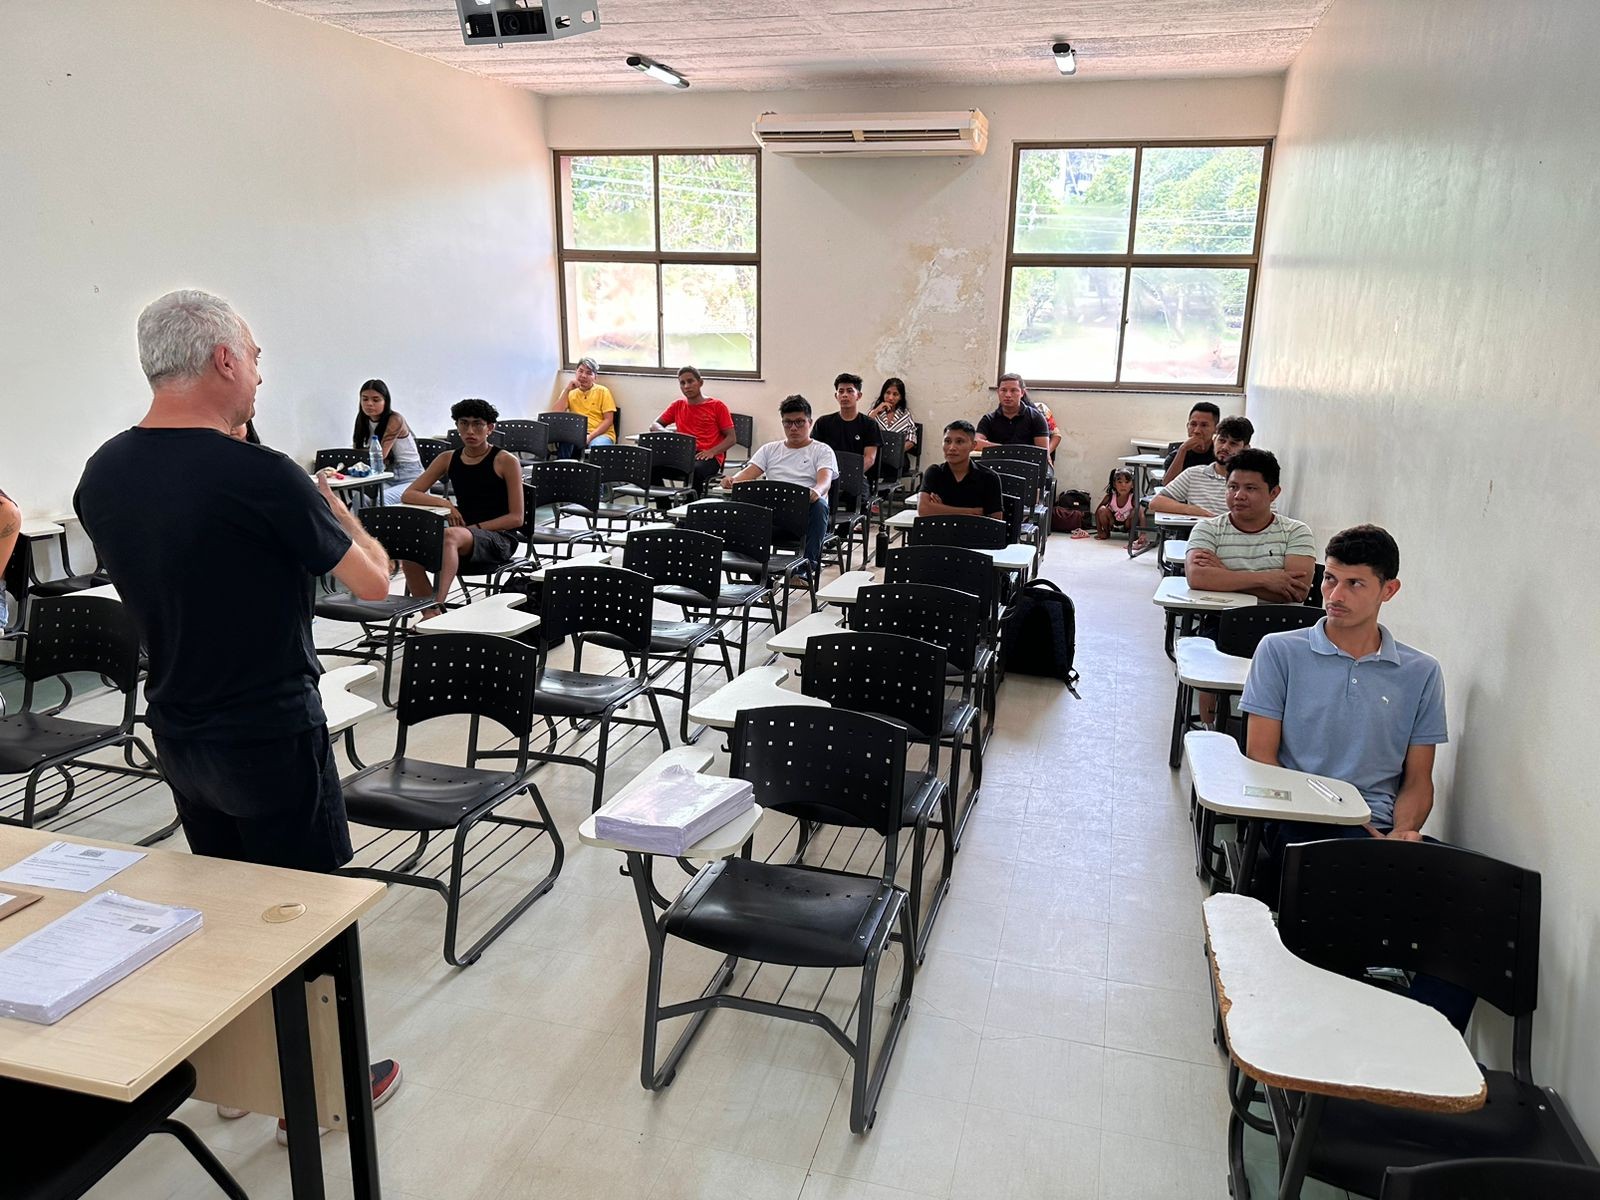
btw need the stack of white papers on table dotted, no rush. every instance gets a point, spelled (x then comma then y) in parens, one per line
(669, 812)
(53, 970)
(70, 866)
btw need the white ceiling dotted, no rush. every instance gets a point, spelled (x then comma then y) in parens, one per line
(772, 45)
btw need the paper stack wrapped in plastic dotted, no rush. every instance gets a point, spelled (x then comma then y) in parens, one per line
(77, 956)
(669, 812)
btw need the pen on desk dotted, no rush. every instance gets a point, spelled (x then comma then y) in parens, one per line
(1323, 790)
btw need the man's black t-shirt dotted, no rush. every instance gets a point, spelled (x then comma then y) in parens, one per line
(981, 487)
(1021, 430)
(852, 437)
(1193, 458)
(214, 545)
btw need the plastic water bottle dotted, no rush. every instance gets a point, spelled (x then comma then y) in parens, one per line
(375, 454)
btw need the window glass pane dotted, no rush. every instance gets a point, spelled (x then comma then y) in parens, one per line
(1063, 322)
(710, 316)
(1073, 201)
(708, 202)
(1198, 200)
(1185, 325)
(611, 313)
(608, 202)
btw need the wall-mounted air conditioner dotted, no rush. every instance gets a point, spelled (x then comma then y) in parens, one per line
(873, 135)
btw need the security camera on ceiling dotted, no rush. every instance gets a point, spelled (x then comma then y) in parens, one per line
(501, 21)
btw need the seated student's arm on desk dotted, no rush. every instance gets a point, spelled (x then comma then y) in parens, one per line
(364, 569)
(750, 471)
(1263, 739)
(929, 505)
(1299, 568)
(1204, 570)
(417, 490)
(1174, 498)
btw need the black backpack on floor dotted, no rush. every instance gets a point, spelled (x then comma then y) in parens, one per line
(1040, 636)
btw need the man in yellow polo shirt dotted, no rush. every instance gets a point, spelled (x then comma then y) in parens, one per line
(594, 402)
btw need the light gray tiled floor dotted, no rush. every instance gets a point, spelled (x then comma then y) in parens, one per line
(1059, 1044)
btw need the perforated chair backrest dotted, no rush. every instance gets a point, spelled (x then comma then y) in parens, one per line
(744, 528)
(1030, 475)
(621, 464)
(407, 534)
(940, 615)
(976, 533)
(824, 764)
(944, 566)
(569, 427)
(891, 453)
(1492, 1179)
(566, 482)
(337, 456)
(524, 437)
(677, 558)
(1240, 630)
(790, 504)
(1350, 904)
(610, 600)
(455, 674)
(93, 634)
(1037, 455)
(429, 449)
(674, 453)
(497, 438)
(1314, 596)
(530, 512)
(887, 674)
(744, 429)
(1011, 506)
(850, 484)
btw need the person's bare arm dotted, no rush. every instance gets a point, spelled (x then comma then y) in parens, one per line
(1299, 568)
(507, 467)
(10, 529)
(364, 569)
(869, 455)
(1180, 456)
(560, 404)
(606, 423)
(929, 505)
(1163, 503)
(417, 490)
(824, 482)
(1414, 801)
(1042, 442)
(1204, 571)
(1262, 742)
(729, 437)
(751, 471)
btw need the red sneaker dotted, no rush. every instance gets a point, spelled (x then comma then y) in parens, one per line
(385, 1083)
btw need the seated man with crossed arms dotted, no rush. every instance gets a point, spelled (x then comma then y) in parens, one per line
(1249, 548)
(959, 487)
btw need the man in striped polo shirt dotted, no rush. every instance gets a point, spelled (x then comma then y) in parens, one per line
(1250, 548)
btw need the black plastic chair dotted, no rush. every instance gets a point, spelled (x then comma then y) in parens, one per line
(954, 567)
(429, 449)
(1314, 596)
(903, 680)
(889, 470)
(744, 437)
(567, 429)
(686, 562)
(582, 601)
(791, 514)
(1492, 1179)
(819, 765)
(672, 459)
(567, 488)
(848, 514)
(456, 674)
(974, 533)
(528, 440)
(96, 635)
(1355, 905)
(41, 1121)
(408, 535)
(953, 621)
(337, 456)
(746, 533)
(495, 574)
(619, 466)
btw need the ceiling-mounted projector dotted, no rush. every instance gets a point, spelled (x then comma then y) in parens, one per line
(502, 21)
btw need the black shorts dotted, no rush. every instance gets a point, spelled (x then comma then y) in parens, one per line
(490, 547)
(274, 802)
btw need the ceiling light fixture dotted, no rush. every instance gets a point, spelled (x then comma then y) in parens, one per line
(1066, 58)
(656, 71)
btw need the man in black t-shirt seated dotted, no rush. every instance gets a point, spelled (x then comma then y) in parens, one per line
(959, 487)
(849, 429)
(1196, 449)
(1013, 423)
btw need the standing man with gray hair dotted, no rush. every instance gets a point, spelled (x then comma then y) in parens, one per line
(215, 545)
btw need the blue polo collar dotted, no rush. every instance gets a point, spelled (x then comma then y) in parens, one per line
(1322, 644)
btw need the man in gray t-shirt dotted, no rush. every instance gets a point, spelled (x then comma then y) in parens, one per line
(799, 460)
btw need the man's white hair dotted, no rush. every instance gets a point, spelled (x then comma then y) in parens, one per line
(178, 332)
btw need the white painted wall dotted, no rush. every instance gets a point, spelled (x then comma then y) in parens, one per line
(1424, 357)
(896, 266)
(369, 212)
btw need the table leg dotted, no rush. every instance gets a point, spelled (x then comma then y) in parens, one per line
(1249, 852)
(350, 996)
(298, 1082)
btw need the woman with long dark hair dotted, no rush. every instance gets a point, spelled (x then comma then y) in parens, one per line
(892, 412)
(376, 418)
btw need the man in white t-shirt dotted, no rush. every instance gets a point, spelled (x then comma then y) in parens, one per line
(797, 459)
(1202, 491)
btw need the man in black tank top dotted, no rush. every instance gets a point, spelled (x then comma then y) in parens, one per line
(487, 510)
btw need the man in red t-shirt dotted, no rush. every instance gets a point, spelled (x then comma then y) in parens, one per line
(704, 418)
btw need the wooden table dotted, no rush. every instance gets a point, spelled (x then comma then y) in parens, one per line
(1182, 603)
(759, 687)
(1296, 1028)
(210, 998)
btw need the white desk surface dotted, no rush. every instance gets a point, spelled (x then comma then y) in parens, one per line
(1143, 460)
(1200, 664)
(1146, 445)
(1015, 557)
(792, 641)
(595, 558)
(619, 537)
(433, 508)
(846, 587)
(1221, 773)
(759, 687)
(39, 527)
(903, 519)
(106, 591)
(350, 481)
(343, 707)
(1178, 520)
(1295, 1026)
(1174, 592)
(500, 613)
(1174, 550)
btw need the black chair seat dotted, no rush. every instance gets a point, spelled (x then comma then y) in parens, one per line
(922, 795)
(28, 739)
(666, 637)
(341, 606)
(102, 1132)
(580, 694)
(410, 793)
(550, 535)
(744, 564)
(65, 587)
(612, 512)
(670, 492)
(792, 916)
(1357, 1142)
(731, 596)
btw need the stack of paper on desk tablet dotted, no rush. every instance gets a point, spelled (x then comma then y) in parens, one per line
(669, 812)
(55, 969)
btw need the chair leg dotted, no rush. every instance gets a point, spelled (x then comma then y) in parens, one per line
(1180, 719)
(661, 725)
(600, 757)
(868, 1075)
(202, 1155)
